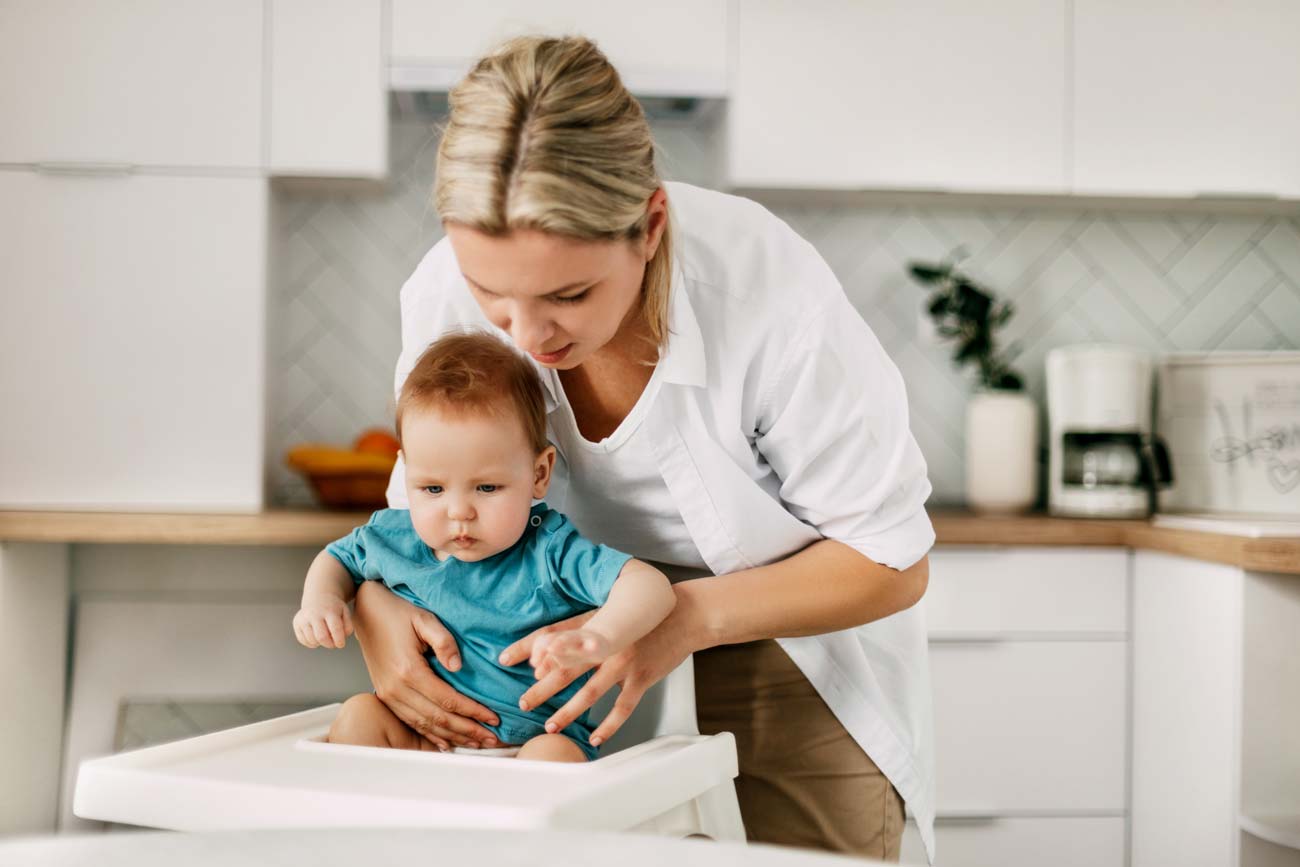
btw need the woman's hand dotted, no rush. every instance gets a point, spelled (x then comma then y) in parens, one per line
(394, 635)
(637, 667)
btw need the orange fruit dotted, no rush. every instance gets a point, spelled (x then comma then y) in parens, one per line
(377, 441)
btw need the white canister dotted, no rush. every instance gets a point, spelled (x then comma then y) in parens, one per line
(1001, 451)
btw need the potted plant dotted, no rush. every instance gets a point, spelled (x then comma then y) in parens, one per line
(1001, 420)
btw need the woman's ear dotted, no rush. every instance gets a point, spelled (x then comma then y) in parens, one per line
(656, 221)
(542, 468)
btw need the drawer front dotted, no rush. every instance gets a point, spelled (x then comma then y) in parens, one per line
(1030, 726)
(1018, 590)
(1080, 841)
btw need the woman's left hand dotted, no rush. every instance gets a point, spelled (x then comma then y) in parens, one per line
(637, 667)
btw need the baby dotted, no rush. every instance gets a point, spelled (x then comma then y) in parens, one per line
(474, 550)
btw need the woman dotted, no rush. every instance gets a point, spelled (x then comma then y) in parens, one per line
(721, 410)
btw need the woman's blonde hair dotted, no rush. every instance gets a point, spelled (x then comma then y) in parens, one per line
(543, 135)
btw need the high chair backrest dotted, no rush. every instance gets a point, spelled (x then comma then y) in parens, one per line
(667, 708)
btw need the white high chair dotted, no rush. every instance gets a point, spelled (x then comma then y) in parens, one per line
(657, 774)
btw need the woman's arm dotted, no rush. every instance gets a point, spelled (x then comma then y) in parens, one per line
(826, 587)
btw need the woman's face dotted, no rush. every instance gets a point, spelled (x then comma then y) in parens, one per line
(558, 298)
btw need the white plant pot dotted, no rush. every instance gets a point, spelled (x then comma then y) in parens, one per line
(1001, 451)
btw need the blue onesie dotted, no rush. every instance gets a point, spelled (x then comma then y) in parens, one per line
(550, 574)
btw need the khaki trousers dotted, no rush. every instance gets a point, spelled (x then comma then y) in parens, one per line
(803, 780)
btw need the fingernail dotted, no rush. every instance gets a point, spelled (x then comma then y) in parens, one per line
(502, 659)
(523, 705)
(494, 722)
(595, 741)
(454, 663)
(491, 742)
(551, 727)
(442, 748)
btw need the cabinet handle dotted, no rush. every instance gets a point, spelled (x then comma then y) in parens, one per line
(86, 169)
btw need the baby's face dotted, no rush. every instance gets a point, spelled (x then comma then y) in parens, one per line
(470, 479)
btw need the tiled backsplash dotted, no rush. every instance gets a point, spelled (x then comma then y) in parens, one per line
(1160, 281)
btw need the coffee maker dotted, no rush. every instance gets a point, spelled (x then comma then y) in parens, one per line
(1103, 461)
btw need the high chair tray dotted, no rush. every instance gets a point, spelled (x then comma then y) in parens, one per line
(281, 774)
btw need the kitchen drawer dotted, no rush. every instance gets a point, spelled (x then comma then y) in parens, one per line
(1029, 726)
(1027, 590)
(1076, 841)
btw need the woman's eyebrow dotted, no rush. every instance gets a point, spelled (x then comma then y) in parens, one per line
(576, 285)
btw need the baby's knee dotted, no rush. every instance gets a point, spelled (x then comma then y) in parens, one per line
(359, 721)
(552, 748)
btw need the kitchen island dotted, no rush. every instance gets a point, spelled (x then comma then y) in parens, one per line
(1099, 684)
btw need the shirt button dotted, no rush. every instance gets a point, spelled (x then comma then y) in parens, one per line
(535, 520)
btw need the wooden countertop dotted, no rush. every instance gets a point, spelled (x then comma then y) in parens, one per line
(314, 528)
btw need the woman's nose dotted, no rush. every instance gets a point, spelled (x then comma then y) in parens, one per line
(530, 333)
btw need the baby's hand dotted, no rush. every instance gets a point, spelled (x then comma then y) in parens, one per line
(323, 622)
(575, 648)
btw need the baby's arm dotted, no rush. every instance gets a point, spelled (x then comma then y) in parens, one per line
(324, 619)
(639, 600)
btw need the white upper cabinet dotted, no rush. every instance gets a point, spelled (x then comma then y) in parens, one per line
(1180, 98)
(328, 89)
(672, 47)
(132, 342)
(895, 94)
(143, 82)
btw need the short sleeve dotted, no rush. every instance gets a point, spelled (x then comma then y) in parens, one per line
(351, 552)
(371, 549)
(833, 425)
(580, 570)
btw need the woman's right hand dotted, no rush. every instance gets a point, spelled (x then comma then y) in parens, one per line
(394, 635)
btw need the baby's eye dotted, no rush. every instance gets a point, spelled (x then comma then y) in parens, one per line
(487, 489)
(432, 489)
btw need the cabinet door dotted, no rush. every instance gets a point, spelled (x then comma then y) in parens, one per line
(132, 342)
(1179, 98)
(1074, 841)
(674, 46)
(148, 82)
(329, 89)
(1030, 726)
(1027, 592)
(892, 94)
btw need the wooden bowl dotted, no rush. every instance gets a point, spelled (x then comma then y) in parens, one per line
(343, 479)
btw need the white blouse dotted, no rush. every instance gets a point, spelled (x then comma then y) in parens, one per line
(777, 420)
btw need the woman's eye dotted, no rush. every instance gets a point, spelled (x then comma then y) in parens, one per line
(487, 489)
(570, 299)
(432, 489)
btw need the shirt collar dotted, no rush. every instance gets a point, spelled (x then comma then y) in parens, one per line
(683, 361)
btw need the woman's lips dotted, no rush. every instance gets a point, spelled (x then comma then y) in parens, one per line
(551, 357)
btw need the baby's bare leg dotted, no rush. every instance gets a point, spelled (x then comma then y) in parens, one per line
(366, 721)
(551, 748)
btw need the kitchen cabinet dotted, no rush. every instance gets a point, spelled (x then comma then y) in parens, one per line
(132, 344)
(887, 95)
(1216, 761)
(328, 89)
(174, 83)
(676, 47)
(1178, 99)
(1029, 657)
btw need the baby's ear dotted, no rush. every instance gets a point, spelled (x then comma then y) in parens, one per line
(543, 466)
